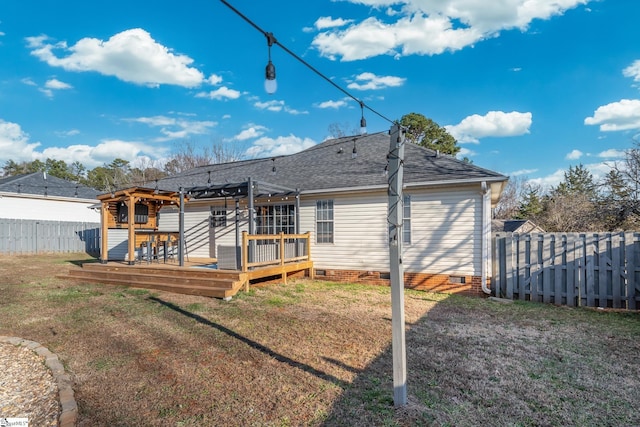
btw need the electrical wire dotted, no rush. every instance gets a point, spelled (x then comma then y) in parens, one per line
(271, 38)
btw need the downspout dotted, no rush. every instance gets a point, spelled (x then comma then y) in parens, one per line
(486, 234)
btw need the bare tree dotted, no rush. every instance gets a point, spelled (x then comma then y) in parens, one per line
(339, 130)
(511, 199)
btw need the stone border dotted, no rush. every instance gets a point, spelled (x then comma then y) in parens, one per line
(69, 414)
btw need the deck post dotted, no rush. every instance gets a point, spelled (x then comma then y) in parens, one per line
(245, 257)
(181, 230)
(282, 254)
(312, 273)
(104, 231)
(131, 212)
(395, 218)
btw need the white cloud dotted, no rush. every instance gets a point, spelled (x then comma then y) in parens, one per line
(270, 105)
(465, 152)
(574, 155)
(369, 81)
(132, 56)
(214, 80)
(332, 104)
(277, 106)
(325, 22)
(492, 124)
(621, 115)
(612, 153)
(173, 128)
(14, 143)
(523, 172)
(597, 170)
(104, 152)
(67, 133)
(220, 93)
(29, 82)
(432, 27)
(283, 145)
(57, 84)
(550, 180)
(633, 71)
(250, 133)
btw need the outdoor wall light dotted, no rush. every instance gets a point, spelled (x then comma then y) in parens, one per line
(270, 83)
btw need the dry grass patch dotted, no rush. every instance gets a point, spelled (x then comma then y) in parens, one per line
(317, 353)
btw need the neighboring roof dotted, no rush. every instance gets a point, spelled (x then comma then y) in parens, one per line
(330, 166)
(514, 226)
(41, 184)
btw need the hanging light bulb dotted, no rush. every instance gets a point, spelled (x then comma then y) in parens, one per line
(354, 153)
(156, 190)
(363, 122)
(273, 168)
(270, 83)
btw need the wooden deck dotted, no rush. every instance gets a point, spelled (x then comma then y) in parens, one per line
(194, 278)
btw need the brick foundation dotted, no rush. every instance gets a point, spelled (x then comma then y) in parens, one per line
(472, 285)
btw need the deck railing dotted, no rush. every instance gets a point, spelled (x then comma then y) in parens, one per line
(260, 250)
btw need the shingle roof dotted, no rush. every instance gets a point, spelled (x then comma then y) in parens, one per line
(42, 184)
(329, 166)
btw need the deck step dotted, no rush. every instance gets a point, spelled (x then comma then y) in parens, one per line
(134, 276)
(190, 289)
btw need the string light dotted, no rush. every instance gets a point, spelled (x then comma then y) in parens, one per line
(270, 83)
(354, 153)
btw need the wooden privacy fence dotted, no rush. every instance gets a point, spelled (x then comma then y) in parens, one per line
(21, 236)
(574, 269)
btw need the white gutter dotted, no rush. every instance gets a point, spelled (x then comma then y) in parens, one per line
(486, 234)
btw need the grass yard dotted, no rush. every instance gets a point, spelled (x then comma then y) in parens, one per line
(319, 354)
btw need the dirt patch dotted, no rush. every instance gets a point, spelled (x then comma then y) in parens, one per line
(317, 353)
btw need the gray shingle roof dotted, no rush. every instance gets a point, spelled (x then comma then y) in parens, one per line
(330, 165)
(38, 183)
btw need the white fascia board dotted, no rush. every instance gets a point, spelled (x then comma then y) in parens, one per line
(406, 185)
(42, 197)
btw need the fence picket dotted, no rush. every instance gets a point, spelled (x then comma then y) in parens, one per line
(508, 252)
(616, 274)
(570, 260)
(630, 252)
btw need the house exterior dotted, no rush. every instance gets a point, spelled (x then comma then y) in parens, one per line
(38, 196)
(521, 226)
(42, 213)
(339, 193)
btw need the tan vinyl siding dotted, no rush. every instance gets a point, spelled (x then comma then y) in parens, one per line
(196, 227)
(445, 233)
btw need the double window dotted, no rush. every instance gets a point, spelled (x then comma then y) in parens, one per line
(218, 218)
(141, 213)
(324, 221)
(276, 219)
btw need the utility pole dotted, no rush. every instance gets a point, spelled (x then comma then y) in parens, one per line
(395, 219)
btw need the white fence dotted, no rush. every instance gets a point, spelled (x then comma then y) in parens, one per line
(575, 269)
(18, 236)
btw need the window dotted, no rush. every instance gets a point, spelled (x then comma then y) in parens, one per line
(276, 219)
(324, 221)
(141, 213)
(406, 221)
(218, 218)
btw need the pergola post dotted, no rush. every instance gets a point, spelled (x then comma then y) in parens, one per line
(104, 232)
(131, 205)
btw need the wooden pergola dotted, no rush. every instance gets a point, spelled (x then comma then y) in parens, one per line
(122, 204)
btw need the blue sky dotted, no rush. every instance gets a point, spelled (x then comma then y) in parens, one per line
(528, 87)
